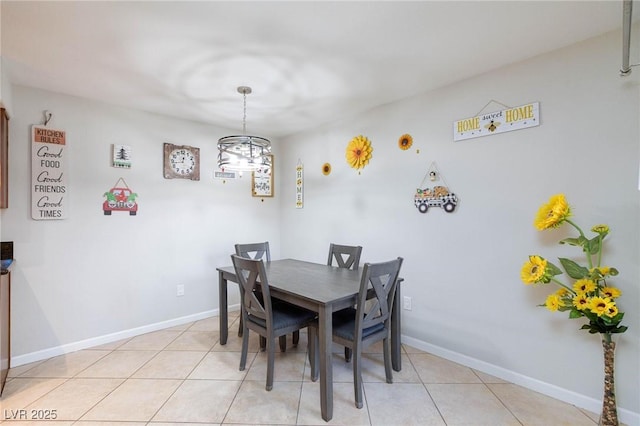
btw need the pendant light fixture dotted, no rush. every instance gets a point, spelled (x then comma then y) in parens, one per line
(243, 152)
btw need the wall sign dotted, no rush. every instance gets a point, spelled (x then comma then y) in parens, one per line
(262, 181)
(4, 159)
(219, 174)
(299, 185)
(48, 173)
(502, 121)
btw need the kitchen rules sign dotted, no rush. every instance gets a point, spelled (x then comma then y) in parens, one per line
(48, 173)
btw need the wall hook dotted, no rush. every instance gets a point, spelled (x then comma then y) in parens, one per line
(47, 117)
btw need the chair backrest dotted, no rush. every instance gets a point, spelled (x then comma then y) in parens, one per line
(253, 280)
(254, 251)
(378, 287)
(345, 256)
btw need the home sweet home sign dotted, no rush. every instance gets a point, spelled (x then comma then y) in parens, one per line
(506, 120)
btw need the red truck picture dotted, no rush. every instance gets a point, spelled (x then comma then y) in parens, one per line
(120, 199)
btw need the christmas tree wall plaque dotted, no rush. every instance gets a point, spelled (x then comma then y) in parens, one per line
(121, 156)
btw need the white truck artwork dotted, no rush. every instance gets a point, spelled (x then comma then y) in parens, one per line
(439, 196)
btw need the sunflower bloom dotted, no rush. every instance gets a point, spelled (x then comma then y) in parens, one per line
(553, 302)
(584, 286)
(611, 292)
(612, 310)
(600, 305)
(359, 152)
(326, 169)
(533, 271)
(552, 214)
(405, 141)
(581, 301)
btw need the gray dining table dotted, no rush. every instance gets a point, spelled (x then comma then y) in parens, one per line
(319, 288)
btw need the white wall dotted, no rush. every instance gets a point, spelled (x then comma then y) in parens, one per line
(92, 275)
(5, 85)
(462, 270)
(5, 97)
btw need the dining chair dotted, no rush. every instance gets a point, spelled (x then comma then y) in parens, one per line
(338, 252)
(254, 250)
(269, 318)
(257, 251)
(368, 323)
(261, 251)
(345, 257)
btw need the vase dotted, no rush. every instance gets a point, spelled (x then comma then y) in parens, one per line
(609, 416)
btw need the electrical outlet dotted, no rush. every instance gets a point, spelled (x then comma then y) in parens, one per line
(406, 303)
(180, 290)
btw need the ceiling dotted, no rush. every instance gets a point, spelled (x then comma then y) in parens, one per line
(308, 62)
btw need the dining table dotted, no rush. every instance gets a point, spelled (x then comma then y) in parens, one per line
(320, 288)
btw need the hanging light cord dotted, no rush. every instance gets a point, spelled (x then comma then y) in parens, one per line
(244, 117)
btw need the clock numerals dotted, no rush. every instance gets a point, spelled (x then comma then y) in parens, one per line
(181, 162)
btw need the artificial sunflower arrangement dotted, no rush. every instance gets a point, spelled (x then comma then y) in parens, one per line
(589, 295)
(405, 141)
(359, 152)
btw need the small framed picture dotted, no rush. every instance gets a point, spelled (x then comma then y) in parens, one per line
(121, 156)
(262, 181)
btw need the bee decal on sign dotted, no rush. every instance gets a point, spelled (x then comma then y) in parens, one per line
(492, 126)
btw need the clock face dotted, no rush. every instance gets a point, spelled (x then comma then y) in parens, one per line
(181, 162)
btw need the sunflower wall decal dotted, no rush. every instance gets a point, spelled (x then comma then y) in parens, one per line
(405, 141)
(326, 169)
(359, 152)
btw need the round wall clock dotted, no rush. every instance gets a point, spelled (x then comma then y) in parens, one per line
(181, 162)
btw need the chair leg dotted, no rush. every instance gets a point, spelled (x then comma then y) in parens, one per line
(296, 337)
(245, 347)
(240, 326)
(283, 343)
(270, 362)
(263, 343)
(313, 352)
(387, 360)
(347, 354)
(357, 374)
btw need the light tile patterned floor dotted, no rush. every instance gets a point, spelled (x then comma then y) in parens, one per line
(183, 375)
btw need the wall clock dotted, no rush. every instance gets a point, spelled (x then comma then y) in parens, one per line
(181, 162)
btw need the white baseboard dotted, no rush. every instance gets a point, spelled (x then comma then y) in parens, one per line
(594, 405)
(108, 338)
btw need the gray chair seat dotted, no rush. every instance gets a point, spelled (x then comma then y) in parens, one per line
(285, 315)
(344, 325)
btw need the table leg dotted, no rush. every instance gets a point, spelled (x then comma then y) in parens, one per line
(396, 344)
(325, 334)
(223, 308)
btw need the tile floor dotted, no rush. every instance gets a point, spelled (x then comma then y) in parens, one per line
(183, 375)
